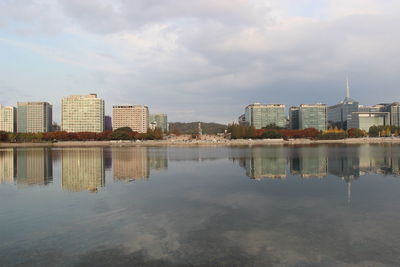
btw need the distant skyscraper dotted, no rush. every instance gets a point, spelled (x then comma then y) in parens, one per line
(8, 119)
(82, 113)
(312, 116)
(340, 114)
(132, 116)
(34, 117)
(159, 121)
(294, 118)
(261, 115)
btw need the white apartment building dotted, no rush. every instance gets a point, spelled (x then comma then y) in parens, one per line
(82, 113)
(133, 116)
(8, 119)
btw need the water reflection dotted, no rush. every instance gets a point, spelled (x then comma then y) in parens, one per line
(82, 169)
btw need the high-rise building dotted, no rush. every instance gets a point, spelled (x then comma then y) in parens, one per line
(132, 116)
(82, 113)
(394, 110)
(8, 119)
(34, 117)
(260, 115)
(312, 116)
(340, 114)
(107, 123)
(159, 121)
(82, 169)
(294, 118)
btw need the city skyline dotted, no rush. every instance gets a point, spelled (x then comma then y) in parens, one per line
(198, 59)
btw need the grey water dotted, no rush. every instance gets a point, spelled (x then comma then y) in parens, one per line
(323, 205)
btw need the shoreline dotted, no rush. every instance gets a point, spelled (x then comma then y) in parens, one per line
(236, 142)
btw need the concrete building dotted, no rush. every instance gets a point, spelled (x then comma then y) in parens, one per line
(294, 118)
(82, 113)
(159, 121)
(82, 169)
(8, 119)
(260, 115)
(312, 116)
(34, 117)
(132, 116)
(364, 120)
(340, 114)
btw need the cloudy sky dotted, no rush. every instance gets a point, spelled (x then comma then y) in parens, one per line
(199, 60)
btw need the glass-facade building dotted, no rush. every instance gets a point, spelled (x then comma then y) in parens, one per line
(340, 114)
(312, 116)
(159, 121)
(294, 118)
(364, 120)
(260, 115)
(34, 117)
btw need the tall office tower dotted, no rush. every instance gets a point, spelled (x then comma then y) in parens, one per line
(82, 169)
(394, 110)
(130, 163)
(82, 113)
(34, 166)
(8, 119)
(312, 116)
(132, 116)
(340, 114)
(294, 118)
(107, 123)
(261, 115)
(159, 121)
(34, 117)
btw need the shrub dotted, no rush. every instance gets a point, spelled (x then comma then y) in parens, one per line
(356, 133)
(332, 136)
(271, 134)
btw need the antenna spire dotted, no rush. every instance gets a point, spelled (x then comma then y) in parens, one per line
(347, 88)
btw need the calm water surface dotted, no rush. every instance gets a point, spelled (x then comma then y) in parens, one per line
(260, 206)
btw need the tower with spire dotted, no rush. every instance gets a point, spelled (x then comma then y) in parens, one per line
(340, 114)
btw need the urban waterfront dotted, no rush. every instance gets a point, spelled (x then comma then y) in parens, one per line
(315, 205)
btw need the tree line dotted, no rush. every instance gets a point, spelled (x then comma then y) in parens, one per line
(124, 133)
(272, 131)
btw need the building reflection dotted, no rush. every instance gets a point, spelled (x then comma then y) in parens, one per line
(309, 162)
(158, 159)
(130, 163)
(266, 164)
(7, 165)
(33, 166)
(82, 169)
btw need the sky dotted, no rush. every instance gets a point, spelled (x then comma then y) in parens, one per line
(199, 60)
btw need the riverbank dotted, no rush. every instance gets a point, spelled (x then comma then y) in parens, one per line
(223, 142)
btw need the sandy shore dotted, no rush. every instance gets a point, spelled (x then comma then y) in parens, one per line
(246, 142)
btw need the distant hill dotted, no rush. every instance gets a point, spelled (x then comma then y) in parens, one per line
(192, 127)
